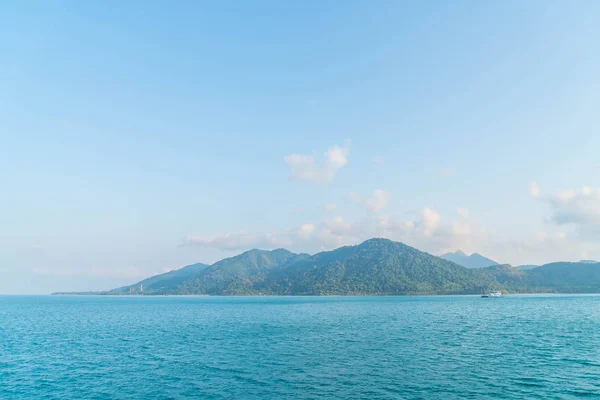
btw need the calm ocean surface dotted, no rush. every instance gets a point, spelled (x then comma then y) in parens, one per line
(299, 347)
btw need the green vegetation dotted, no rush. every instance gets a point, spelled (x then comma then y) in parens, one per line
(375, 267)
(565, 277)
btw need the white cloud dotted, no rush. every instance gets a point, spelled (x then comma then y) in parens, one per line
(308, 168)
(330, 233)
(430, 219)
(329, 207)
(534, 189)
(563, 198)
(425, 232)
(239, 241)
(337, 225)
(306, 230)
(577, 213)
(578, 208)
(576, 216)
(336, 156)
(461, 228)
(544, 247)
(378, 201)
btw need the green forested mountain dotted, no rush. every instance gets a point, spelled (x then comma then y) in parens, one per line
(377, 266)
(509, 278)
(526, 267)
(566, 277)
(559, 277)
(374, 267)
(239, 275)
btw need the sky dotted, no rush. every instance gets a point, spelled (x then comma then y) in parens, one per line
(138, 137)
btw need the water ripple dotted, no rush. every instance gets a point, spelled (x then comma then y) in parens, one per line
(304, 348)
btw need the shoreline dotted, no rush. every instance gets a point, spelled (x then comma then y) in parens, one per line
(311, 295)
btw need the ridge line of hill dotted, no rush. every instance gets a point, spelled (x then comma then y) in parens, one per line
(374, 267)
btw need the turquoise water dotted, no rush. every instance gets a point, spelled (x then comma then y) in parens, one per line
(298, 347)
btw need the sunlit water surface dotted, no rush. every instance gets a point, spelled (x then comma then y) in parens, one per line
(299, 347)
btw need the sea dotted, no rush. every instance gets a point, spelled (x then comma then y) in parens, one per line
(430, 347)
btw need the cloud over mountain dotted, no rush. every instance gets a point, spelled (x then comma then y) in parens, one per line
(308, 168)
(579, 209)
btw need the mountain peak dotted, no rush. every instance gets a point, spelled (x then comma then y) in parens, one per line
(475, 260)
(376, 266)
(376, 241)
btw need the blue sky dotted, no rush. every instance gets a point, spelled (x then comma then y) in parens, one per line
(138, 136)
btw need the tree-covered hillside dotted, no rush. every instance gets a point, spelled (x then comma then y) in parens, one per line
(377, 266)
(374, 267)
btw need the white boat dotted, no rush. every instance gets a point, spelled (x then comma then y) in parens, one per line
(492, 294)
